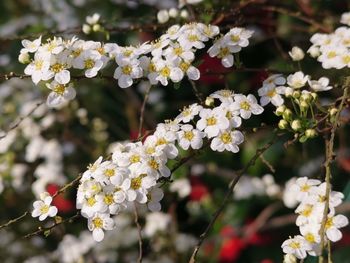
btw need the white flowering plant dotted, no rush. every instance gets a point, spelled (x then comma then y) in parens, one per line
(174, 131)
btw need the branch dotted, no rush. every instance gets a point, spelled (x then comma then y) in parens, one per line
(328, 162)
(14, 125)
(232, 184)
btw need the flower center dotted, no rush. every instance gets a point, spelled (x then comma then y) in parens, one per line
(331, 54)
(108, 199)
(310, 238)
(89, 63)
(165, 72)
(57, 67)
(38, 64)
(97, 222)
(329, 223)
(188, 135)
(91, 201)
(193, 38)
(109, 172)
(136, 183)
(245, 105)
(226, 138)
(44, 209)
(224, 51)
(178, 51)
(127, 70)
(59, 89)
(161, 141)
(235, 38)
(134, 158)
(211, 121)
(295, 245)
(184, 66)
(153, 164)
(271, 93)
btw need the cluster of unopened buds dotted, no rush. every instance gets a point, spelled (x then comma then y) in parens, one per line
(311, 194)
(134, 171)
(170, 57)
(299, 116)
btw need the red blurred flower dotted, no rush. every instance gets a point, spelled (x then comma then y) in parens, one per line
(198, 189)
(208, 68)
(63, 205)
(231, 250)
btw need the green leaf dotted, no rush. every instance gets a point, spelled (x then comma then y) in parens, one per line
(47, 232)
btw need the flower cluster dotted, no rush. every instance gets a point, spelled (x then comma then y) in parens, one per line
(311, 194)
(168, 58)
(43, 208)
(300, 116)
(133, 173)
(332, 50)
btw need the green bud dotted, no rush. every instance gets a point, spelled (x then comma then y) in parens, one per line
(287, 115)
(279, 110)
(296, 125)
(209, 101)
(310, 133)
(296, 94)
(333, 111)
(96, 28)
(288, 92)
(303, 105)
(283, 124)
(306, 97)
(314, 95)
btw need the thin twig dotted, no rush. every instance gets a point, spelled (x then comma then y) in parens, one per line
(15, 124)
(232, 184)
(48, 229)
(328, 162)
(142, 113)
(14, 220)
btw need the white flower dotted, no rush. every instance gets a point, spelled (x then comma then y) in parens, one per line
(238, 37)
(167, 70)
(221, 50)
(60, 93)
(247, 105)
(345, 18)
(274, 80)
(289, 258)
(302, 187)
(188, 113)
(332, 225)
(296, 246)
(163, 16)
(297, 80)
(320, 85)
(212, 122)
(227, 140)
(127, 70)
(91, 61)
(191, 72)
(182, 3)
(192, 38)
(91, 20)
(190, 137)
(38, 69)
(181, 186)
(98, 223)
(223, 95)
(271, 94)
(30, 46)
(43, 208)
(154, 197)
(296, 53)
(156, 222)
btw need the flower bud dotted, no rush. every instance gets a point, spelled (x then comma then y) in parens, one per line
(279, 110)
(96, 27)
(314, 51)
(289, 258)
(296, 53)
(296, 125)
(314, 95)
(333, 111)
(296, 94)
(304, 105)
(306, 97)
(310, 133)
(184, 14)
(173, 12)
(163, 16)
(209, 101)
(24, 58)
(283, 124)
(287, 115)
(86, 29)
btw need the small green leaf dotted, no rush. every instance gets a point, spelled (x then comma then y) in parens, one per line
(47, 232)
